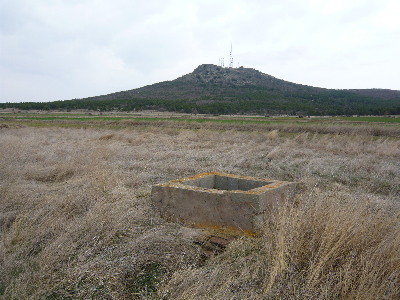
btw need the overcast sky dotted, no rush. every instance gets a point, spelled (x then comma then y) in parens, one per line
(63, 49)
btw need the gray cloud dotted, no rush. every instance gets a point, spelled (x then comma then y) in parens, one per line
(54, 50)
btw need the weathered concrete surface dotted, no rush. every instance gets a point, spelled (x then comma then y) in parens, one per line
(221, 200)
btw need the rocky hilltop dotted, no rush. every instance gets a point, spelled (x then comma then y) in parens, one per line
(213, 74)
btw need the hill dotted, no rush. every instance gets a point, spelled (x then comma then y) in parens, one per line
(214, 89)
(211, 81)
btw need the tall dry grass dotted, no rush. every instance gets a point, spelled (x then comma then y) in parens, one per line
(330, 127)
(76, 219)
(327, 247)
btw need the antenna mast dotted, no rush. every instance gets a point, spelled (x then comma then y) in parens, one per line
(231, 59)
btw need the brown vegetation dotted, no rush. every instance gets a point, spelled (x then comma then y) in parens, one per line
(76, 220)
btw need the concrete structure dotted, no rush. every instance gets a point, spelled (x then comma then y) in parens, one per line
(221, 200)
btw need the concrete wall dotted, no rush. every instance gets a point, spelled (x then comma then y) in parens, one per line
(221, 200)
(225, 183)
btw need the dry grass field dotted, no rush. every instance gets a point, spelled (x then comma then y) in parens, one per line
(76, 220)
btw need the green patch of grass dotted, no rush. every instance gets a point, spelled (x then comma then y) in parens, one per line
(335, 126)
(189, 118)
(85, 118)
(144, 284)
(370, 119)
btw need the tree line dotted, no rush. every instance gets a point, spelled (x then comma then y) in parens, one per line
(235, 101)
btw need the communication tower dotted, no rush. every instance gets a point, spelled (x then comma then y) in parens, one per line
(231, 59)
(221, 61)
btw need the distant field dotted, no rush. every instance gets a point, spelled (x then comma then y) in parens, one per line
(368, 126)
(194, 118)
